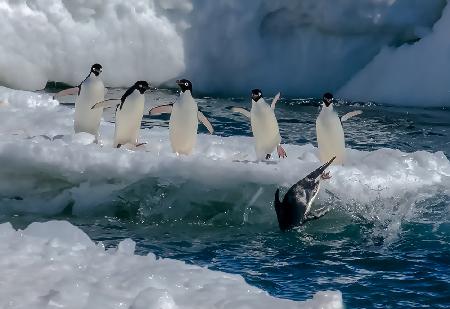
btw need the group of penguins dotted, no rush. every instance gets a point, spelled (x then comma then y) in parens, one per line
(294, 210)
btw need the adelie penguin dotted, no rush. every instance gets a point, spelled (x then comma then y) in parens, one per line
(129, 112)
(295, 209)
(330, 133)
(184, 118)
(90, 91)
(264, 125)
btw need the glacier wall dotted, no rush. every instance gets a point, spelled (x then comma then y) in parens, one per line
(392, 51)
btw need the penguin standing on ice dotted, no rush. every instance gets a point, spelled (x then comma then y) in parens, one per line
(129, 112)
(90, 91)
(264, 125)
(330, 134)
(295, 209)
(184, 118)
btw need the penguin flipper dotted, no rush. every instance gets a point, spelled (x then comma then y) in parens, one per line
(162, 109)
(205, 122)
(241, 110)
(69, 91)
(106, 103)
(275, 99)
(350, 115)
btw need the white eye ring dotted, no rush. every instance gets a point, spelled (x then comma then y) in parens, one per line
(186, 84)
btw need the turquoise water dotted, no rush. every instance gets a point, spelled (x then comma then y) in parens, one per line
(396, 258)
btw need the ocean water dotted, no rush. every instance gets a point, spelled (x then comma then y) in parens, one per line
(389, 251)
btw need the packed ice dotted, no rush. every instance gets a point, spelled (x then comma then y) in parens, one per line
(56, 265)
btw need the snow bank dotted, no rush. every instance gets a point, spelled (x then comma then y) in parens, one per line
(45, 167)
(56, 265)
(302, 48)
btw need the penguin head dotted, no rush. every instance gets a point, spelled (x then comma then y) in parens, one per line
(142, 86)
(184, 85)
(96, 69)
(256, 94)
(327, 99)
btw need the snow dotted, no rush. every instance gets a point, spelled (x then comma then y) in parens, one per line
(363, 49)
(55, 265)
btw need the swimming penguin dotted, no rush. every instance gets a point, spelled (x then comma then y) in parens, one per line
(129, 112)
(330, 134)
(296, 206)
(90, 91)
(184, 118)
(264, 125)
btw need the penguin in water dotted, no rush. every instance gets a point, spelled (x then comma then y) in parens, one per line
(264, 125)
(295, 209)
(184, 118)
(90, 91)
(129, 112)
(330, 133)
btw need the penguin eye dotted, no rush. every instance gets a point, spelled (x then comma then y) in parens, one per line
(186, 84)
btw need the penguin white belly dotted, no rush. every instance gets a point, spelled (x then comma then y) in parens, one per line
(330, 137)
(265, 129)
(128, 120)
(183, 126)
(87, 119)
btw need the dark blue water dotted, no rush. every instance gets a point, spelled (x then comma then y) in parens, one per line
(401, 260)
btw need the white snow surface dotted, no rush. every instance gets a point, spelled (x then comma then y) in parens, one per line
(56, 265)
(48, 166)
(384, 50)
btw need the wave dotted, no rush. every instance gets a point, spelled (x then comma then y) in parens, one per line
(387, 51)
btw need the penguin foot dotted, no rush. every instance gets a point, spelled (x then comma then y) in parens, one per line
(281, 152)
(325, 176)
(268, 156)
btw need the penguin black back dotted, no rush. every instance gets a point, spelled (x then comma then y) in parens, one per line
(294, 208)
(141, 86)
